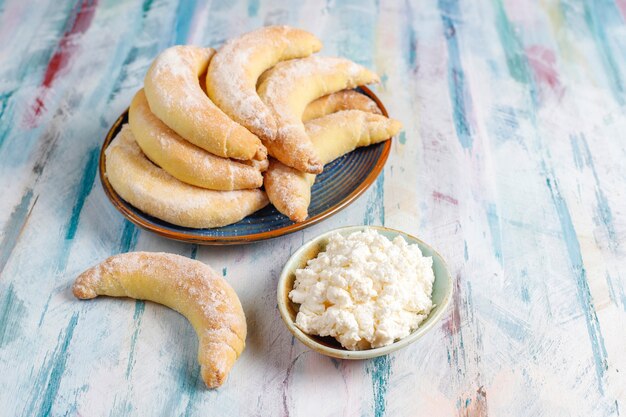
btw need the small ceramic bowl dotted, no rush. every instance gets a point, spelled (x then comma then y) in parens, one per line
(442, 294)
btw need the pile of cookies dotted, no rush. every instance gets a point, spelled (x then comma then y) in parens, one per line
(195, 150)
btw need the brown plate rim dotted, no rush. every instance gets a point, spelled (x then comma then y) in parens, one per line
(116, 200)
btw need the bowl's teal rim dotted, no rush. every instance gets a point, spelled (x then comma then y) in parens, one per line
(433, 318)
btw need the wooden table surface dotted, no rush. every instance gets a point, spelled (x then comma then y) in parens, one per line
(510, 164)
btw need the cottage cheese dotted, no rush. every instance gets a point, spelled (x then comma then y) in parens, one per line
(364, 290)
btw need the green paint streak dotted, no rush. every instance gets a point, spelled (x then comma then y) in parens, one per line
(402, 137)
(512, 46)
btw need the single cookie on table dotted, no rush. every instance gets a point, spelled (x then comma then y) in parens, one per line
(334, 135)
(173, 90)
(289, 87)
(188, 286)
(185, 161)
(155, 192)
(341, 100)
(233, 72)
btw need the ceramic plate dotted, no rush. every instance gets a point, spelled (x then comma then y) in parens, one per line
(342, 181)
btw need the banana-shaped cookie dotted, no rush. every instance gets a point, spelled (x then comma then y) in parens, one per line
(182, 284)
(173, 91)
(341, 100)
(289, 87)
(289, 190)
(235, 68)
(182, 159)
(157, 193)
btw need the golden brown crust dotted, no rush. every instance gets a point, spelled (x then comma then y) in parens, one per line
(341, 100)
(173, 91)
(334, 135)
(235, 68)
(185, 161)
(157, 193)
(185, 285)
(289, 190)
(289, 87)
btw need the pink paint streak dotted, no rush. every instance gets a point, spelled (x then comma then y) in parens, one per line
(542, 61)
(84, 12)
(443, 197)
(621, 5)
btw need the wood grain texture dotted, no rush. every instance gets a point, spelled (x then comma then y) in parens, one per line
(510, 165)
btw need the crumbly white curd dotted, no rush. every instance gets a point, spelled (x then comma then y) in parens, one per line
(364, 290)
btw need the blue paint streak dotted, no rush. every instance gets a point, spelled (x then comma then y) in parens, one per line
(6, 115)
(459, 92)
(506, 125)
(513, 49)
(191, 388)
(45, 310)
(525, 293)
(129, 237)
(253, 8)
(184, 16)
(134, 52)
(59, 361)
(145, 7)
(496, 233)
(578, 159)
(381, 370)
(84, 188)
(402, 137)
(140, 307)
(599, 15)
(412, 47)
(14, 226)
(411, 35)
(604, 210)
(11, 313)
(375, 211)
(194, 251)
(224, 270)
(613, 292)
(582, 158)
(582, 287)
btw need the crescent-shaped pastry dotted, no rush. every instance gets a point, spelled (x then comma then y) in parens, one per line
(182, 284)
(173, 91)
(157, 193)
(289, 87)
(341, 100)
(235, 68)
(289, 190)
(182, 159)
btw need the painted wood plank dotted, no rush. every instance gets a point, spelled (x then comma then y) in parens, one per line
(510, 164)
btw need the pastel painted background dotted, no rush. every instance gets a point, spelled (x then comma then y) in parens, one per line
(511, 164)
